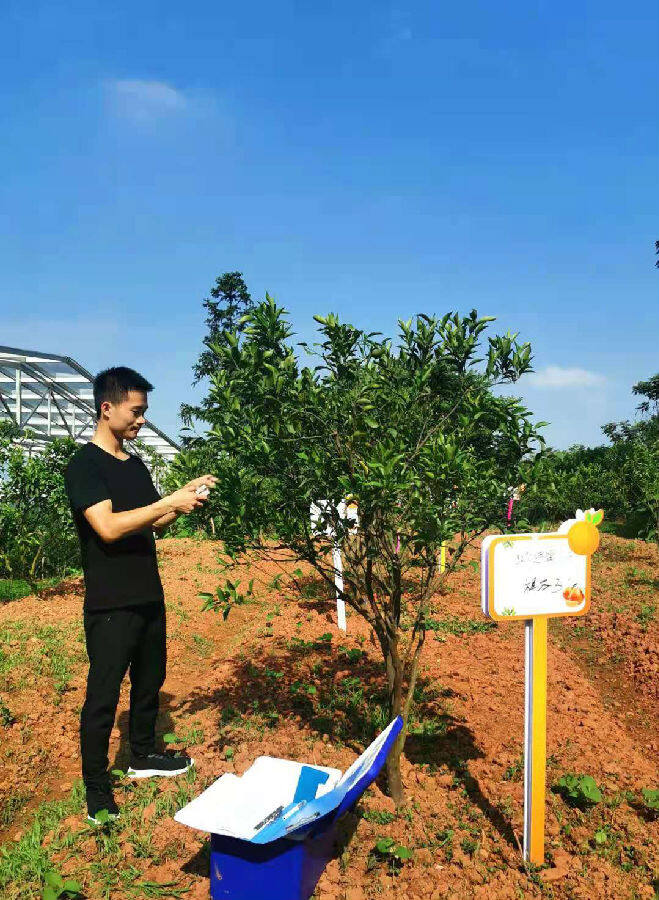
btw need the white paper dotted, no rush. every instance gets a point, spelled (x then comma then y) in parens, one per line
(236, 805)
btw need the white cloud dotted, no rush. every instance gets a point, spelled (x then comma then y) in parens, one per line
(559, 377)
(145, 101)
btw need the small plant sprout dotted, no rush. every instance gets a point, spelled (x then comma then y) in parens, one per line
(578, 790)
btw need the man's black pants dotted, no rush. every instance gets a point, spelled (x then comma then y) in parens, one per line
(116, 639)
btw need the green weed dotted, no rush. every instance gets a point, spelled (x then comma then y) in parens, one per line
(578, 790)
(11, 807)
(394, 854)
(202, 645)
(378, 817)
(457, 626)
(515, 771)
(646, 615)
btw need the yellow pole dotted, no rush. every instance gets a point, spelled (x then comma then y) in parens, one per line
(442, 556)
(536, 749)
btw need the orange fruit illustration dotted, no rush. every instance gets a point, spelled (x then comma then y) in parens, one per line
(573, 595)
(583, 538)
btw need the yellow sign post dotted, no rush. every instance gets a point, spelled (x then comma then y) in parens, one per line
(534, 577)
(535, 739)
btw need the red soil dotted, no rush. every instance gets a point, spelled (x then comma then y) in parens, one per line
(602, 719)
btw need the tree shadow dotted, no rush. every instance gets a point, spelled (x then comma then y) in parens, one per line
(454, 749)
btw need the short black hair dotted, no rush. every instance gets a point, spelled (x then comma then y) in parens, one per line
(113, 385)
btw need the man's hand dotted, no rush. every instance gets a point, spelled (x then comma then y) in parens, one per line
(185, 499)
(209, 480)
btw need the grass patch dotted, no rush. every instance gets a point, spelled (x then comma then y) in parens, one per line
(11, 807)
(202, 645)
(14, 589)
(458, 626)
(378, 816)
(17, 588)
(646, 615)
(29, 651)
(107, 870)
(25, 863)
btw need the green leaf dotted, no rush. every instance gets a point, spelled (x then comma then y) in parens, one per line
(650, 798)
(590, 789)
(54, 879)
(384, 845)
(48, 894)
(170, 738)
(403, 852)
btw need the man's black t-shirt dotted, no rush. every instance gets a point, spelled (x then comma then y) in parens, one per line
(123, 572)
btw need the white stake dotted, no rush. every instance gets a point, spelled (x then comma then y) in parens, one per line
(338, 581)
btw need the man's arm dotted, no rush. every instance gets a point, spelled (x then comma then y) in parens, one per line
(160, 524)
(111, 526)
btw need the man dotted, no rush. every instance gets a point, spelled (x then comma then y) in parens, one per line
(116, 509)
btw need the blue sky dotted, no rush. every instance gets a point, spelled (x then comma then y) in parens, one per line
(370, 159)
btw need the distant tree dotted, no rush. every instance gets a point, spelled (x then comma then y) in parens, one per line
(637, 445)
(562, 481)
(650, 390)
(646, 427)
(37, 535)
(228, 303)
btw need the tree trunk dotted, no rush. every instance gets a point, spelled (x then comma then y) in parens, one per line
(395, 677)
(394, 778)
(400, 704)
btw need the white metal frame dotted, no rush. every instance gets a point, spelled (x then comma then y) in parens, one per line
(52, 395)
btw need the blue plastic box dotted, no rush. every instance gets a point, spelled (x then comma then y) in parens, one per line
(273, 830)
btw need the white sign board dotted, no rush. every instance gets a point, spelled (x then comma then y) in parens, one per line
(320, 514)
(527, 575)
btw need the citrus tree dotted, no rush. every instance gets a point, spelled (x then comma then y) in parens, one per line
(37, 535)
(412, 430)
(565, 480)
(637, 447)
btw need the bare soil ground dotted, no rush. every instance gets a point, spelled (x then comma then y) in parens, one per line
(277, 678)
